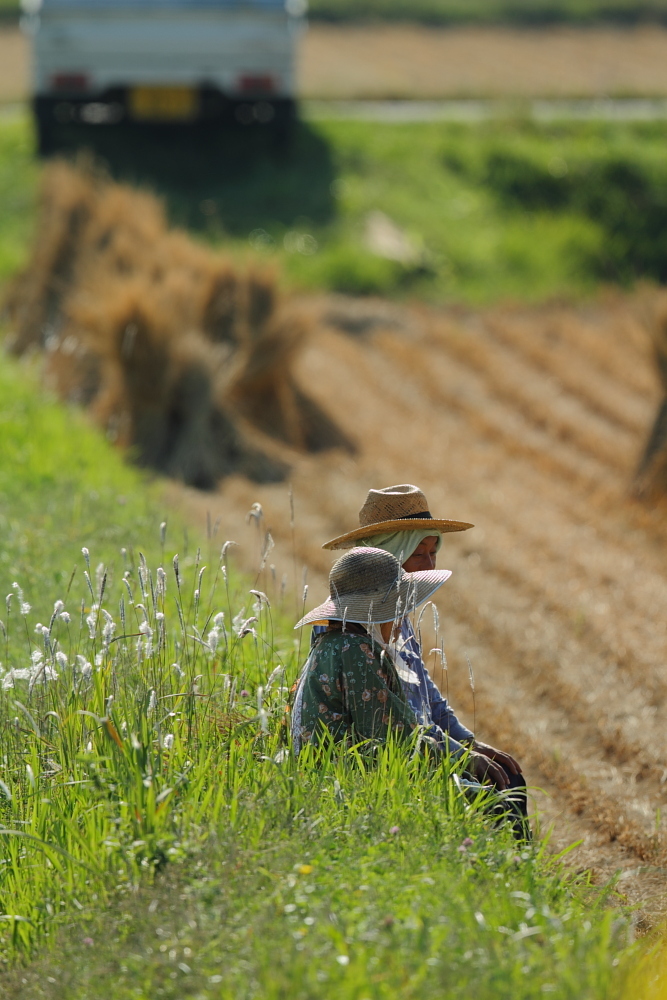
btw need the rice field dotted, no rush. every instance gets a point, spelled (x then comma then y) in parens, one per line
(528, 422)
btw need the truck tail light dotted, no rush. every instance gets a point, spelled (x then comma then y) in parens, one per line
(70, 83)
(256, 84)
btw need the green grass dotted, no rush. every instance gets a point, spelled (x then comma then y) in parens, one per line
(503, 208)
(452, 12)
(514, 12)
(18, 179)
(153, 846)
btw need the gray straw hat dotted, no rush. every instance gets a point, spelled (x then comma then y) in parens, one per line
(394, 508)
(369, 585)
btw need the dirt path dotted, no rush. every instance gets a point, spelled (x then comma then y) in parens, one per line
(404, 61)
(414, 62)
(527, 423)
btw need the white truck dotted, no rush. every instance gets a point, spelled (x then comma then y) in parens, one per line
(104, 62)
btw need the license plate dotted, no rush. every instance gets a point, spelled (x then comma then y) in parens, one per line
(163, 103)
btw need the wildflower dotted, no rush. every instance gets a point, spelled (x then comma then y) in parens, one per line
(243, 626)
(161, 582)
(83, 668)
(86, 556)
(100, 578)
(91, 620)
(64, 617)
(58, 607)
(465, 844)
(61, 659)
(163, 532)
(394, 830)
(225, 548)
(15, 675)
(261, 711)
(261, 601)
(145, 641)
(168, 741)
(274, 674)
(36, 657)
(177, 670)
(304, 869)
(152, 702)
(267, 548)
(88, 941)
(109, 629)
(244, 694)
(255, 514)
(212, 639)
(343, 959)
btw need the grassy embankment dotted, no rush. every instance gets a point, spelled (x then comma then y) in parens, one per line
(151, 839)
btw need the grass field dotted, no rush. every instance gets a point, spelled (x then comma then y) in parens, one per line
(520, 12)
(474, 211)
(153, 846)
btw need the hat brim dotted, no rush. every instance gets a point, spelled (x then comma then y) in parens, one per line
(440, 526)
(414, 589)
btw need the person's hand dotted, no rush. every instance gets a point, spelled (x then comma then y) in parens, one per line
(485, 770)
(506, 761)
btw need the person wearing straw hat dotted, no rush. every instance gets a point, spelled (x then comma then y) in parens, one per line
(397, 520)
(349, 685)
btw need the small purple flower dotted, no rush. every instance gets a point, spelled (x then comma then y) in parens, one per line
(88, 941)
(394, 830)
(465, 844)
(245, 694)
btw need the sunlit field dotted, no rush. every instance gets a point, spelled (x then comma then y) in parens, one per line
(160, 839)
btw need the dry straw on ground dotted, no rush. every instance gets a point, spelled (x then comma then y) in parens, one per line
(174, 350)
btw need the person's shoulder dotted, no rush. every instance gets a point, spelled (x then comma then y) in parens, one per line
(343, 642)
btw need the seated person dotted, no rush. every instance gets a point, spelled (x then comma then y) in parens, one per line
(350, 686)
(397, 519)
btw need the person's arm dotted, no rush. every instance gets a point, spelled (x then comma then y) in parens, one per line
(444, 715)
(373, 694)
(440, 711)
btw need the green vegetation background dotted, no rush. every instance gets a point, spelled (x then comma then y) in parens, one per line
(454, 12)
(500, 208)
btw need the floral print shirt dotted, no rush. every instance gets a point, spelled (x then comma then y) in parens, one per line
(350, 687)
(431, 709)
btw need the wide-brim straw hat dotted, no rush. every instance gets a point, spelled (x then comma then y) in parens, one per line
(395, 508)
(368, 585)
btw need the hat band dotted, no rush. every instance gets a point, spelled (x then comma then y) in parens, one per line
(424, 514)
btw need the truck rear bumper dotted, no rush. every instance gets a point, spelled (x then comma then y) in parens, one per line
(165, 106)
